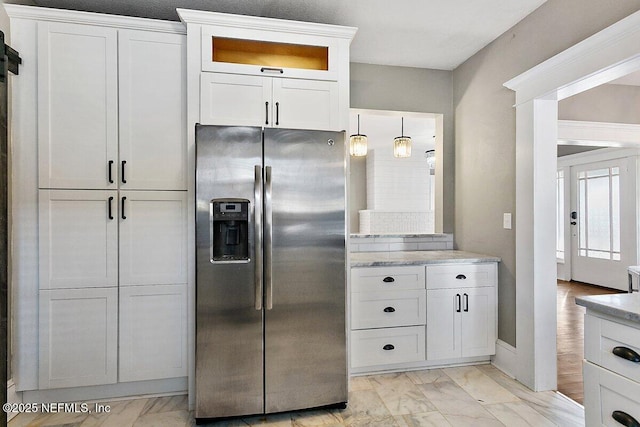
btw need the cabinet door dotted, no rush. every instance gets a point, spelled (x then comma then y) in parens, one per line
(235, 100)
(78, 337)
(77, 105)
(78, 238)
(153, 237)
(478, 331)
(152, 89)
(153, 332)
(444, 307)
(306, 104)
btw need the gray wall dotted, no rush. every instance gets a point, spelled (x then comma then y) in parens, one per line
(380, 87)
(485, 128)
(606, 103)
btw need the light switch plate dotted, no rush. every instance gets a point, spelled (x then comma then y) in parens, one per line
(506, 221)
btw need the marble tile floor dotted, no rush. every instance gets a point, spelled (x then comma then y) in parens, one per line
(463, 396)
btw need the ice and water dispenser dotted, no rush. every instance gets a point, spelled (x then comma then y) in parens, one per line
(230, 230)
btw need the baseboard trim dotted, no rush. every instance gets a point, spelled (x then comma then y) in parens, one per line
(506, 358)
(13, 396)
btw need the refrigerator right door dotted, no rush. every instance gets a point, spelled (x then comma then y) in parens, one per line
(304, 220)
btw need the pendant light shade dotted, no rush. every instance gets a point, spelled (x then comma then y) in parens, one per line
(358, 143)
(430, 155)
(402, 144)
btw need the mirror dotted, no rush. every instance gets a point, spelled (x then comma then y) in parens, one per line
(390, 195)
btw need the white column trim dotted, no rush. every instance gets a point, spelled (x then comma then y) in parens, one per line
(605, 56)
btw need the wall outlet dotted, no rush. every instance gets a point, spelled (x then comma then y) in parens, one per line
(506, 221)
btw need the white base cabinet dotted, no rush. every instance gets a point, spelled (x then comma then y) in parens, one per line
(611, 372)
(79, 250)
(422, 316)
(153, 332)
(78, 337)
(460, 322)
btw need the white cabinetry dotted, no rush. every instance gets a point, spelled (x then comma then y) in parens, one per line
(77, 105)
(388, 312)
(78, 262)
(233, 99)
(461, 310)
(418, 316)
(153, 332)
(265, 72)
(85, 74)
(113, 221)
(611, 372)
(78, 234)
(78, 337)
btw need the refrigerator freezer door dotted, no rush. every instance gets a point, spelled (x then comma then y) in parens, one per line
(305, 343)
(229, 326)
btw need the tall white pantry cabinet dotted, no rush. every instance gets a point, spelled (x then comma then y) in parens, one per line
(100, 116)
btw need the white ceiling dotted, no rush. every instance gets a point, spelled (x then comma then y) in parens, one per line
(438, 34)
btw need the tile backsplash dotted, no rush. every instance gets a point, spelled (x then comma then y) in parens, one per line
(391, 243)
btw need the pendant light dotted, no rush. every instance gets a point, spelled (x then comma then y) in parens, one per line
(358, 143)
(402, 144)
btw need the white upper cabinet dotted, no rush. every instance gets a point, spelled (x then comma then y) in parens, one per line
(77, 106)
(267, 72)
(111, 108)
(305, 104)
(153, 110)
(240, 100)
(235, 100)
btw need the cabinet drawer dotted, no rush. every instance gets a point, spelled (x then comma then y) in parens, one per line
(602, 336)
(387, 346)
(606, 395)
(374, 279)
(461, 275)
(388, 309)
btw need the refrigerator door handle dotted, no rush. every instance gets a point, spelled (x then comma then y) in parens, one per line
(257, 224)
(268, 238)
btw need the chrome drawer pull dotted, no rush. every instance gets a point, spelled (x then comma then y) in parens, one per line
(389, 310)
(391, 347)
(461, 277)
(388, 279)
(625, 419)
(627, 353)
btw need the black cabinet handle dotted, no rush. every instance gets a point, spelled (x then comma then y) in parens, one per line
(277, 113)
(625, 419)
(277, 70)
(388, 347)
(110, 171)
(389, 310)
(124, 162)
(388, 279)
(466, 303)
(458, 303)
(461, 277)
(627, 353)
(110, 211)
(123, 215)
(266, 113)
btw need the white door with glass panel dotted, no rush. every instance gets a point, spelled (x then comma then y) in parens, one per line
(603, 226)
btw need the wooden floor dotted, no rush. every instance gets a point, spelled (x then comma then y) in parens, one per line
(570, 340)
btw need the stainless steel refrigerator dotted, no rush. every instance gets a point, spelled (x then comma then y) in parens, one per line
(270, 285)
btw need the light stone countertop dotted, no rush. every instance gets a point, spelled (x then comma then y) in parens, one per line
(624, 306)
(375, 259)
